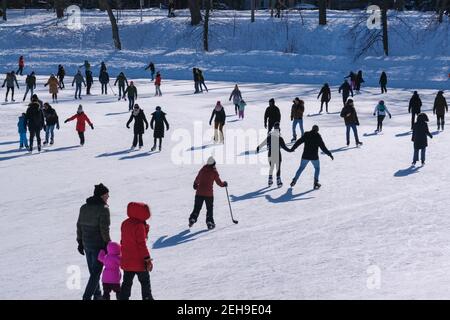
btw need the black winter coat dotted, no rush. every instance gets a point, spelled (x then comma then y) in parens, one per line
(272, 114)
(440, 105)
(31, 81)
(313, 141)
(415, 104)
(51, 117)
(350, 116)
(157, 124)
(346, 89)
(34, 117)
(268, 142)
(383, 79)
(420, 133)
(220, 116)
(325, 92)
(122, 80)
(89, 78)
(104, 77)
(93, 224)
(139, 121)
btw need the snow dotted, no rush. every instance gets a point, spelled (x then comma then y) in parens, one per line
(374, 215)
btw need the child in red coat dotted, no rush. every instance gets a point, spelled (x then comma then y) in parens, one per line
(135, 255)
(158, 84)
(82, 118)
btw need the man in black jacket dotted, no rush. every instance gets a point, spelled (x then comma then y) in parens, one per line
(415, 104)
(313, 141)
(31, 84)
(93, 236)
(346, 89)
(272, 115)
(35, 122)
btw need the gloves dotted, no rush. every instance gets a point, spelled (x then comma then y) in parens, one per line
(257, 149)
(210, 123)
(80, 248)
(148, 264)
(128, 126)
(374, 113)
(92, 126)
(331, 156)
(57, 126)
(265, 126)
(390, 116)
(225, 184)
(195, 186)
(66, 121)
(146, 127)
(167, 128)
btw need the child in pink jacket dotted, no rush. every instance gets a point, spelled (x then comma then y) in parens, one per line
(111, 273)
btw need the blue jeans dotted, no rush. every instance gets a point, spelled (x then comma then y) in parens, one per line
(78, 90)
(422, 154)
(130, 103)
(296, 122)
(355, 132)
(23, 139)
(49, 131)
(303, 163)
(95, 270)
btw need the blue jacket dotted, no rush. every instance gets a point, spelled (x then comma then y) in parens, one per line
(22, 125)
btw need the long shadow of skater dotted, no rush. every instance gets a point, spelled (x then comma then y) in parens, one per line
(62, 148)
(313, 115)
(8, 142)
(407, 171)
(12, 151)
(247, 153)
(370, 134)
(341, 149)
(117, 153)
(235, 120)
(200, 148)
(404, 134)
(251, 195)
(13, 157)
(435, 133)
(182, 237)
(288, 196)
(139, 155)
(116, 113)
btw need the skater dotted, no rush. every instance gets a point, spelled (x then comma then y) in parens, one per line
(201, 80)
(380, 111)
(35, 122)
(31, 85)
(325, 92)
(22, 129)
(158, 84)
(313, 141)
(61, 74)
(93, 236)
(89, 82)
(131, 92)
(171, 8)
(139, 119)
(297, 110)
(351, 121)
(53, 86)
(104, 80)
(87, 67)
(383, 82)
(9, 82)
(78, 80)
(236, 96)
(419, 137)
(352, 77)
(415, 104)
(219, 121)
(272, 115)
(21, 66)
(157, 124)
(136, 258)
(439, 108)
(111, 272)
(242, 105)
(274, 143)
(82, 118)
(51, 120)
(151, 67)
(36, 98)
(203, 185)
(346, 90)
(278, 9)
(102, 68)
(196, 80)
(122, 81)
(358, 81)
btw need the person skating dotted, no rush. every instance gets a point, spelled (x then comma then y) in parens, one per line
(203, 184)
(419, 137)
(158, 84)
(51, 121)
(9, 82)
(111, 273)
(131, 92)
(380, 111)
(415, 104)
(53, 86)
(93, 235)
(325, 94)
(297, 110)
(89, 81)
(139, 118)
(22, 129)
(383, 82)
(219, 117)
(439, 108)
(241, 105)
(104, 80)
(30, 82)
(171, 9)
(272, 115)
(346, 90)
(358, 81)
(151, 67)
(275, 143)
(35, 122)
(313, 141)
(136, 259)
(21, 66)
(237, 97)
(102, 68)
(352, 78)
(78, 80)
(87, 67)
(122, 81)
(157, 124)
(82, 118)
(61, 74)
(350, 116)
(201, 80)
(196, 80)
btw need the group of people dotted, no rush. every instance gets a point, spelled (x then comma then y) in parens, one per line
(199, 80)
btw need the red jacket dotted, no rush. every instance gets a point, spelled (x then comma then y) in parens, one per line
(82, 118)
(21, 62)
(205, 180)
(134, 237)
(158, 80)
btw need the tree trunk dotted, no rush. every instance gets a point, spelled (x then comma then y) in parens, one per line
(115, 28)
(399, 5)
(59, 8)
(442, 6)
(384, 23)
(206, 25)
(252, 5)
(322, 12)
(4, 6)
(194, 8)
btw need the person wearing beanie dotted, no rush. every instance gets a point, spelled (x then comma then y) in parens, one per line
(31, 85)
(440, 107)
(313, 141)
(297, 110)
(350, 116)
(122, 79)
(325, 92)
(237, 97)
(274, 143)
(380, 111)
(419, 137)
(219, 117)
(131, 91)
(346, 90)
(203, 184)
(111, 272)
(78, 80)
(22, 129)
(383, 82)
(415, 105)
(139, 120)
(157, 124)
(53, 85)
(158, 84)
(35, 122)
(272, 115)
(82, 118)
(9, 82)
(242, 105)
(60, 75)
(93, 236)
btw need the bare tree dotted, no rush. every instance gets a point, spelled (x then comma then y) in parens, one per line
(206, 25)
(384, 23)
(194, 8)
(252, 6)
(4, 6)
(322, 12)
(115, 29)
(399, 5)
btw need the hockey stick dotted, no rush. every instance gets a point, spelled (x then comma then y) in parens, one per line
(231, 212)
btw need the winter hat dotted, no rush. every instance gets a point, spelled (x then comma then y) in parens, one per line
(218, 106)
(315, 128)
(211, 161)
(272, 100)
(100, 190)
(113, 248)
(158, 108)
(80, 109)
(131, 83)
(381, 102)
